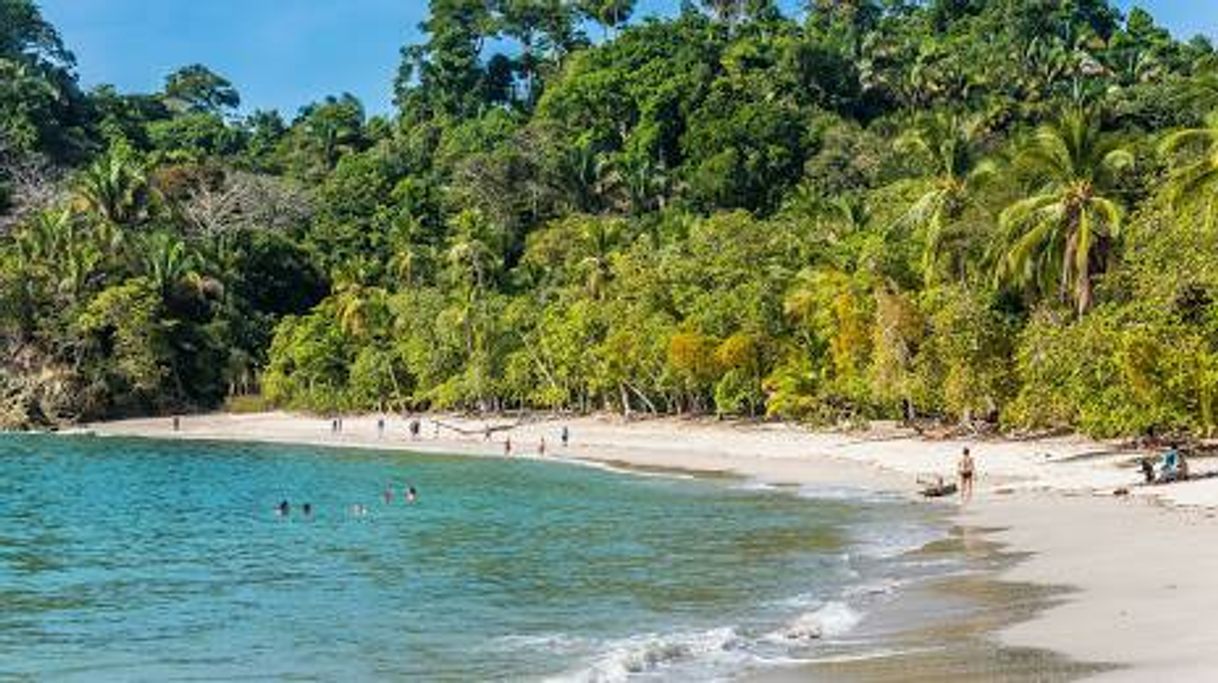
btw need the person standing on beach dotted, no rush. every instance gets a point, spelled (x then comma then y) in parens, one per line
(566, 436)
(380, 428)
(967, 470)
(507, 447)
(541, 447)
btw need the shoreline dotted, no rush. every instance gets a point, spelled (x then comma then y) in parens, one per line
(1143, 567)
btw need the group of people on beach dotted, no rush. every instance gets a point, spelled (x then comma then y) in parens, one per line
(415, 427)
(1170, 467)
(1173, 467)
(564, 436)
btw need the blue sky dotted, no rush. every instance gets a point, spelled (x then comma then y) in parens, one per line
(285, 53)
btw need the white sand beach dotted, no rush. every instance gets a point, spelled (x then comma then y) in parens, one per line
(1144, 566)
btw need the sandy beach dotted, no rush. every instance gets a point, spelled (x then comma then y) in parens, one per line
(1143, 567)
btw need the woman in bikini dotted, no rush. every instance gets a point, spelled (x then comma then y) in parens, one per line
(966, 469)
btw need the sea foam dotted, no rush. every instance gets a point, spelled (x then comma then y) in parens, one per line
(831, 619)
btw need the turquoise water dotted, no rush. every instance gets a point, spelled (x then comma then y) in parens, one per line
(148, 560)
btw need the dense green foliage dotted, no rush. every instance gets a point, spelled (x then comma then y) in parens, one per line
(994, 210)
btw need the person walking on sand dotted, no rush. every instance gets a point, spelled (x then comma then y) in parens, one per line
(967, 470)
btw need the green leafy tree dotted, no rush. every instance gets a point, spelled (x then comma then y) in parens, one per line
(196, 88)
(443, 75)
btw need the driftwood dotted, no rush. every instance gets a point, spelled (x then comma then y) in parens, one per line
(937, 487)
(483, 430)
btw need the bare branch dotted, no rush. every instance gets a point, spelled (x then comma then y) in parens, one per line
(246, 201)
(28, 183)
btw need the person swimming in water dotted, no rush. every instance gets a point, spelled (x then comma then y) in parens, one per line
(307, 509)
(411, 495)
(283, 508)
(388, 494)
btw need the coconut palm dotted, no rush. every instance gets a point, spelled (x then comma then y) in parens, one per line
(1060, 235)
(952, 147)
(1194, 176)
(360, 309)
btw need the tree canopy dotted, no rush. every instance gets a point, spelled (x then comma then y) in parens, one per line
(993, 211)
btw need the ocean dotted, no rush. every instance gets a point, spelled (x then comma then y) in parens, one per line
(127, 559)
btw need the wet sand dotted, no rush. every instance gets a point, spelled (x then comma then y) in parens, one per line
(943, 628)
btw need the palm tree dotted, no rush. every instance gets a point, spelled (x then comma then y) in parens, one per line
(643, 181)
(359, 308)
(608, 13)
(1059, 236)
(168, 262)
(952, 146)
(1195, 175)
(115, 187)
(598, 237)
(469, 255)
(583, 171)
